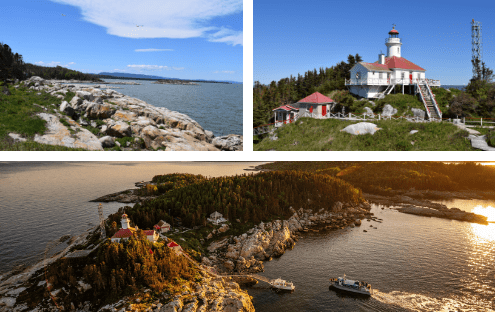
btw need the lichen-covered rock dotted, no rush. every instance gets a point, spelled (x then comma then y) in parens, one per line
(99, 111)
(120, 129)
(75, 102)
(58, 134)
(85, 95)
(66, 108)
(231, 142)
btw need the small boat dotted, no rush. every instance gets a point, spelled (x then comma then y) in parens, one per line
(282, 284)
(350, 286)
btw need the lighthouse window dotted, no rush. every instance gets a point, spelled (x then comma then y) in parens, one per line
(402, 75)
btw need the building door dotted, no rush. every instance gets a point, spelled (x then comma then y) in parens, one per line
(311, 109)
(323, 110)
(410, 78)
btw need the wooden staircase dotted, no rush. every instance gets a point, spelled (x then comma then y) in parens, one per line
(389, 89)
(429, 102)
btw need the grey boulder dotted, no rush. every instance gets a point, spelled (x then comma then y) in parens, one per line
(388, 110)
(107, 141)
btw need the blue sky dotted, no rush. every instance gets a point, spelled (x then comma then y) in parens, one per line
(190, 39)
(291, 37)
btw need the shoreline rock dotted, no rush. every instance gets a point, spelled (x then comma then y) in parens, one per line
(424, 207)
(94, 114)
(244, 254)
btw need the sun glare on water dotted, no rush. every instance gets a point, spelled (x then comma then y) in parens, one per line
(488, 212)
(485, 232)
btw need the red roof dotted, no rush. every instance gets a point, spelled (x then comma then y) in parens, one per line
(286, 107)
(400, 62)
(149, 232)
(172, 244)
(316, 98)
(393, 31)
(122, 233)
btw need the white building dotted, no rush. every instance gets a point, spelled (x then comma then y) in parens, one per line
(162, 226)
(127, 231)
(375, 80)
(216, 218)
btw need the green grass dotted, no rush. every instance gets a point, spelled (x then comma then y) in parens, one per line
(18, 114)
(402, 102)
(7, 144)
(325, 135)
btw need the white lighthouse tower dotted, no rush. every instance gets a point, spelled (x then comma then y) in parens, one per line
(125, 222)
(393, 43)
(378, 79)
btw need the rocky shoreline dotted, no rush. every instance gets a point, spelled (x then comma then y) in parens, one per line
(132, 83)
(96, 119)
(212, 293)
(244, 254)
(424, 207)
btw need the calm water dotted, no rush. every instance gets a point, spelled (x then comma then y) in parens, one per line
(460, 87)
(40, 202)
(215, 106)
(415, 263)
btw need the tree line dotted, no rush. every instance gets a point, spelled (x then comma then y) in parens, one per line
(383, 177)
(247, 198)
(13, 67)
(290, 90)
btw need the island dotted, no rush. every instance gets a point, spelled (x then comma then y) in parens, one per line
(175, 82)
(189, 242)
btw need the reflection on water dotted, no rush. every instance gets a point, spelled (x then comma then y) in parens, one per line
(46, 200)
(415, 264)
(488, 212)
(483, 233)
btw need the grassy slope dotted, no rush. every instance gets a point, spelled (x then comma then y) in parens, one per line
(324, 135)
(18, 114)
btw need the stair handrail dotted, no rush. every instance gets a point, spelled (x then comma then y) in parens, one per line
(424, 101)
(434, 101)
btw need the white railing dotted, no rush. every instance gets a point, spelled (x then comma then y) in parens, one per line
(432, 96)
(384, 82)
(423, 100)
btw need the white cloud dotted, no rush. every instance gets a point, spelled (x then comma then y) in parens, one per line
(224, 72)
(53, 64)
(178, 68)
(161, 18)
(152, 50)
(226, 35)
(149, 67)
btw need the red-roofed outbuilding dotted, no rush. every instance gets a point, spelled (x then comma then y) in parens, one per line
(316, 104)
(285, 113)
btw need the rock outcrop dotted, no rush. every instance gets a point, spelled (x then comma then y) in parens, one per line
(212, 294)
(245, 253)
(120, 116)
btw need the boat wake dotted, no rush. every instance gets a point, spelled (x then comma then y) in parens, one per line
(417, 302)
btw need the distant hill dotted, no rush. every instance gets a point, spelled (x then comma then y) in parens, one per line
(140, 76)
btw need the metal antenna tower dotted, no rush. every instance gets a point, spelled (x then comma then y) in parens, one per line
(102, 221)
(477, 44)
